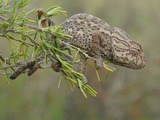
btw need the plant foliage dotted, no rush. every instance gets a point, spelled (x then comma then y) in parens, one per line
(34, 47)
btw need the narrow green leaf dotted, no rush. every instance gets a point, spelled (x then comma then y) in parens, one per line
(31, 11)
(22, 3)
(67, 65)
(75, 56)
(107, 75)
(58, 50)
(90, 90)
(109, 68)
(72, 80)
(55, 10)
(6, 75)
(59, 83)
(98, 76)
(80, 87)
(71, 86)
(77, 74)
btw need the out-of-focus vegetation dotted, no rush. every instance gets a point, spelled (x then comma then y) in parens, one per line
(126, 94)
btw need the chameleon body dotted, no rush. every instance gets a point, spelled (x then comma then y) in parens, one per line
(103, 42)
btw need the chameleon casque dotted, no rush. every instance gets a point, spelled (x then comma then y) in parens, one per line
(103, 42)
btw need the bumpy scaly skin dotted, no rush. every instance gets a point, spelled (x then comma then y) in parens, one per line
(103, 42)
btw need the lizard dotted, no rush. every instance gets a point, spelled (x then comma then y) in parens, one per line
(101, 41)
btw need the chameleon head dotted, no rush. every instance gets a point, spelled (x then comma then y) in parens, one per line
(126, 52)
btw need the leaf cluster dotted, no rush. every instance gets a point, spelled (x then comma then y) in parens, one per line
(33, 47)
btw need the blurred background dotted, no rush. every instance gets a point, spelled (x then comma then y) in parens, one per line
(125, 95)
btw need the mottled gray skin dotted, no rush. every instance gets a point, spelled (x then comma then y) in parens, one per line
(103, 42)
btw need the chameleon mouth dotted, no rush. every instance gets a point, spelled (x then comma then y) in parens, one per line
(142, 62)
(142, 65)
(138, 61)
(138, 64)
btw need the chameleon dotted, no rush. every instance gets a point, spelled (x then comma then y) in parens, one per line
(100, 41)
(103, 42)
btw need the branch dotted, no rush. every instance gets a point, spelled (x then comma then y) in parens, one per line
(3, 18)
(39, 47)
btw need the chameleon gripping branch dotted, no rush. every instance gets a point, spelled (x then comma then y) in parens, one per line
(103, 42)
(100, 41)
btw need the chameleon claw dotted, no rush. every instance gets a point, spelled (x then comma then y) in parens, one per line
(99, 63)
(98, 67)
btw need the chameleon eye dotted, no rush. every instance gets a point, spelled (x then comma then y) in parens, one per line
(135, 48)
(134, 51)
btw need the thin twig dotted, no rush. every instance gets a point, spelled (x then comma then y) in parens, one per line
(33, 27)
(18, 40)
(3, 18)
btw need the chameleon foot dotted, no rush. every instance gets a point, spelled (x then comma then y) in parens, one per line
(98, 62)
